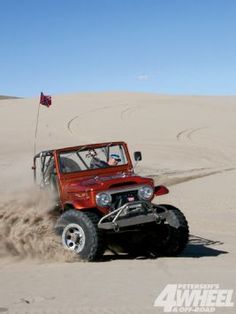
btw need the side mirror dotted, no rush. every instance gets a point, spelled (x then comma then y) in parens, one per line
(137, 156)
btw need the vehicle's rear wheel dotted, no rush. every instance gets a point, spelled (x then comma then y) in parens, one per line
(170, 237)
(79, 233)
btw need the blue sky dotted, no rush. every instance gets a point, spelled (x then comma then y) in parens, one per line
(160, 46)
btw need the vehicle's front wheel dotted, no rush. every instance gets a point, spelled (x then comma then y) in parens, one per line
(79, 233)
(171, 237)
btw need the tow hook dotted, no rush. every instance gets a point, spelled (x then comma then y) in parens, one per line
(158, 218)
(116, 227)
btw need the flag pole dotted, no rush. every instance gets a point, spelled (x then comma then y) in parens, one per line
(36, 129)
(45, 100)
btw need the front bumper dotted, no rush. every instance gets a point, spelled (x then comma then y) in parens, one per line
(130, 214)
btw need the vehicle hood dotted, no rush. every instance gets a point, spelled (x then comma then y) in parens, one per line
(106, 182)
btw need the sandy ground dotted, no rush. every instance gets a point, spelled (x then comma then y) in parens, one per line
(187, 143)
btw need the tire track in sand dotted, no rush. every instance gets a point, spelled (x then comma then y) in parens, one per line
(187, 133)
(177, 177)
(209, 154)
(126, 113)
(71, 121)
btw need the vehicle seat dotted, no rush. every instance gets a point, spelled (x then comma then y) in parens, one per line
(68, 165)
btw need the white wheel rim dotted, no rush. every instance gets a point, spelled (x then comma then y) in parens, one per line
(73, 238)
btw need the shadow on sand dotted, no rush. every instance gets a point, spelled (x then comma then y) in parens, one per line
(197, 247)
(200, 247)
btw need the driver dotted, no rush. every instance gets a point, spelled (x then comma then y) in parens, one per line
(113, 160)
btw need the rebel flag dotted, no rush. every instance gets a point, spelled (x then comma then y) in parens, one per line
(45, 100)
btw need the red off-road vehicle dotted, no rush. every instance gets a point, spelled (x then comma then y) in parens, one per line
(104, 203)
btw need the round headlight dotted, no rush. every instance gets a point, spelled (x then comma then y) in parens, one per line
(145, 192)
(103, 199)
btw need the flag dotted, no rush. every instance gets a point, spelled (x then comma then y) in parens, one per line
(45, 100)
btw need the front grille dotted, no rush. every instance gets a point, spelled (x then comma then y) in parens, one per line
(121, 198)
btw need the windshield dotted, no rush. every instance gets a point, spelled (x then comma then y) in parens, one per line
(87, 158)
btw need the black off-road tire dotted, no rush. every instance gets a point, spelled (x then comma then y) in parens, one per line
(168, 238)
(176, 233)
(94, 244)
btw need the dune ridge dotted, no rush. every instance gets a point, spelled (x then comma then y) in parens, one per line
(187, 142)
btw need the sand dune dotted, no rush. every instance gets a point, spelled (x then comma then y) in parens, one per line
(188, 143)
(7, 97)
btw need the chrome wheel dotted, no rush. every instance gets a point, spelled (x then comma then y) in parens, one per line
(73, 238)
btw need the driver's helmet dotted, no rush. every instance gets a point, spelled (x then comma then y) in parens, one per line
(116, 157)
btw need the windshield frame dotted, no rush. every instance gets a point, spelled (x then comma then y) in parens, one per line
(117, 168)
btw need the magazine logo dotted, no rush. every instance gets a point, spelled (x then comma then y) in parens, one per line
(185, 298)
